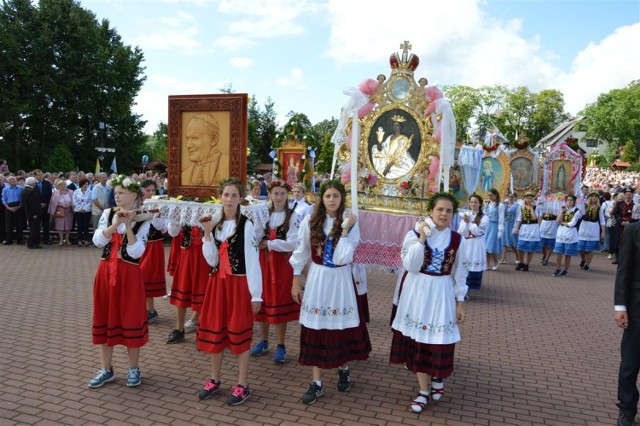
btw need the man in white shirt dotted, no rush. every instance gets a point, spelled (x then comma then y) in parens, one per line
(100, 200)
(299, 204)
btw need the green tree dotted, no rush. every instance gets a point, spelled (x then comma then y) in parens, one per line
(325, 157)
(78, 73)
(465, 101)
(60, 159)
(630, 153)
(157, 144)
(615, 116)
(548, 113)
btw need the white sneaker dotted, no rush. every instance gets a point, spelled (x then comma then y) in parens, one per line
(167, 296)
(190, 326)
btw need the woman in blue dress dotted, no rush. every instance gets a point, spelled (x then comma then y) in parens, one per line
(509, 239)
(493, 237)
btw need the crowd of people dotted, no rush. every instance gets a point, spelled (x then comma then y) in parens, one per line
(231, 273)
(66, 203)
(611, 180)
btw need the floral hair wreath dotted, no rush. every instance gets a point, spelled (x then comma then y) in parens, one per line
(332, 182)
(279, 183)
(231, 180)
(431, 203)
(126, 182)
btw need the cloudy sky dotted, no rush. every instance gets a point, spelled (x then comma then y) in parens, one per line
(302, 53)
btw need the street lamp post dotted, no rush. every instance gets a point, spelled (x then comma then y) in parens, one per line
(102, 129)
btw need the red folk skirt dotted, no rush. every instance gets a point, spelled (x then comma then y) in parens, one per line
(119, 310)
(174, 254)
(190, 279)
(226, 319)
(152, 266)
(278, 305)
(435, 360)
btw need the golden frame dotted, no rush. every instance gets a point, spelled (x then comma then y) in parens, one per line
(522, 164)
(227, 155)
(291, 150)
(421, 147)
(500, 166)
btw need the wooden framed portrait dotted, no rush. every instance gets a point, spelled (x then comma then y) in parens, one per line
(207, 142)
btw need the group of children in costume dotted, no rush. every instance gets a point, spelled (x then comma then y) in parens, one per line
(232, 274)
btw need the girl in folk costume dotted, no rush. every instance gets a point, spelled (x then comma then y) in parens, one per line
(430, 302)
(548, 231)
(495, 228)
(234, 290)
(509, 239)
(591, 230)
(119, 314)
(567, 236)
(472, 227)
(276, 245)
(332, 329)
(189, 280)
(528, 231)
(152, 261)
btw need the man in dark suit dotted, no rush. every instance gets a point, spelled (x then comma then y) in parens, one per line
(32, 210)
(627, 316)
(44, 188)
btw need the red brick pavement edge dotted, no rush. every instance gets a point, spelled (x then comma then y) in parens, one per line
(535, 350)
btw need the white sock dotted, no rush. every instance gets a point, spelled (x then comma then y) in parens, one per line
(318, 382)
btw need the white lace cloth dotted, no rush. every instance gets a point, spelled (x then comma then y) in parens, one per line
(190, 212)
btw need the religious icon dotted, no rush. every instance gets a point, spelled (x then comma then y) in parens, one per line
(487, 176)
(390, 156)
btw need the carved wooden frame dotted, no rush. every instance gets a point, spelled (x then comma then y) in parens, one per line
(232, 145)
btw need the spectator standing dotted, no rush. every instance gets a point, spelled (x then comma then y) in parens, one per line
(627, 316)
(11, 199)
(45, 189)
(99, 199)
(606, 207)
(622, 212)
(61, 208)
(33, 212)
(82, 211)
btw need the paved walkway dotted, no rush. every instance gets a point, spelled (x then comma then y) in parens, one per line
(535, 350)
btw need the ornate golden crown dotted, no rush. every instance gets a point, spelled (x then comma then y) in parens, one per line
(398, 118)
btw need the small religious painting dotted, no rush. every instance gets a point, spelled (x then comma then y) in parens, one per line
(561, 176)
(292, 165)
(522, 172)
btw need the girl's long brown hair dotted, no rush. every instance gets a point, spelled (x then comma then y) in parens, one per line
(320, 213)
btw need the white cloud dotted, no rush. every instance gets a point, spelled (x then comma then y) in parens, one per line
(178, 32)
(241, 62)
(261, 19)
(601, 67)
(458, 43)
(295, 79)
(175, 85)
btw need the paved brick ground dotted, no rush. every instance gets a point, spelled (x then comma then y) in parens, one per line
(535, 350)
